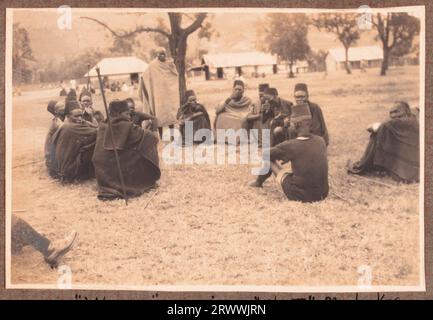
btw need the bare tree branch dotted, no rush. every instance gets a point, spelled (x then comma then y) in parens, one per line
(196, 24)
(127, 34)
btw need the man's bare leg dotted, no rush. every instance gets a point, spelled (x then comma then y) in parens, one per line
(276, 167)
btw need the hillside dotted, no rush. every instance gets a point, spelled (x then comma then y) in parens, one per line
(234, 32)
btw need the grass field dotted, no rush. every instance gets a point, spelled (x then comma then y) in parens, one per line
(206, 226)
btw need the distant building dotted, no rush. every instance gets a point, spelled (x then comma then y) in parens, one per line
(368, 57)
(119, 69)
(298, 67)
(230, 65)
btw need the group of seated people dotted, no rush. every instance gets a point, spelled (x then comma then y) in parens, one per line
(270, 111)
(80, 144)
(79, 147)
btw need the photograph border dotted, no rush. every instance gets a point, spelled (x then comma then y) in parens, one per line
(425, 215)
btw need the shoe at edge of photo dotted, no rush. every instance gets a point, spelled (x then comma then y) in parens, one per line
(59, 248)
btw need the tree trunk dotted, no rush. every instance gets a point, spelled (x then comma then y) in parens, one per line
(291, 74)
(385, 60)
(180, 64)
(346, 61)
(178, 45)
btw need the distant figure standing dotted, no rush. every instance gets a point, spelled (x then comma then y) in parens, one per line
(63, 91)
(159, 90)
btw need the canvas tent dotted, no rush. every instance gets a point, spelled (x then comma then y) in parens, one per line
(225, 65)
(370, 56)
(119, 67)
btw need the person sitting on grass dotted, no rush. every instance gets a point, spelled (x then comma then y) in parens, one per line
(318, 125)
(255, 113)
(308, 182)
(138, 155)
(276, 115)
(74, 143)
(193, 111)
(233, 112)
(393, 146)
(88, 111)
(22, 234)
(138, 117)
(57, 109)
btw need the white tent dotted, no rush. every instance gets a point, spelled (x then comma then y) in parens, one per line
(118, 66)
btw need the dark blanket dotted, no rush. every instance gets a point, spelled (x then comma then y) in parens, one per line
(274, 117)
(50, 148)
(395, 148)
(138, 155)
(74, 144)
(199, 122)
(279, 107)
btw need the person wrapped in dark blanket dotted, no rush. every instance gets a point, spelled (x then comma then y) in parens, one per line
(138, 155)
(57, 109)
(74, 142)
(393, 147)
(193, 111)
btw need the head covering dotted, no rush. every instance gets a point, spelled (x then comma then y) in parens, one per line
(86, 95)
(60, 106)
(238, 83)
(130, 100)
(51, 107)
(118, 106)
(300, 112)
(301, 87)
(263, 87)
(189, 93)
(271, 91)
(405, 106)
(71, 105)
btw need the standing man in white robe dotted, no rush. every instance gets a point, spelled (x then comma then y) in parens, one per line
(159, 90)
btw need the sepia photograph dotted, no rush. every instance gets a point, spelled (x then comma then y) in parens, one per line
(215, 149)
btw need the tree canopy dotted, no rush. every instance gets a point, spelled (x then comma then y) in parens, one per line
(286, 36)
(396, 31)
(22, 55)
(344, 26)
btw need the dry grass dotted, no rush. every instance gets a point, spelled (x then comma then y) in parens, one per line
(205, 226)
